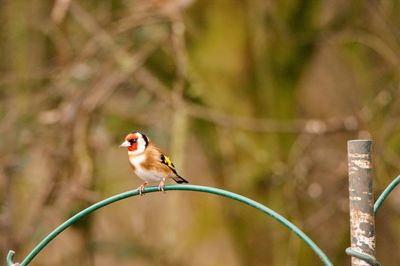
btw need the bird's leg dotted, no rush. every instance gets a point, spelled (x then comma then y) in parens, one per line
(141, 188)
(161, 186)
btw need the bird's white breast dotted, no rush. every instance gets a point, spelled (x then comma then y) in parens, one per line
(144, 174)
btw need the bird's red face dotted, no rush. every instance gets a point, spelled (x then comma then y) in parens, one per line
(131, 141)
(135, 142)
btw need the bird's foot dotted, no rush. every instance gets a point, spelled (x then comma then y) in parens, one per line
(141, 188)
(161, 186)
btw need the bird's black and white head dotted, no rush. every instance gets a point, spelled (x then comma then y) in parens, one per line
(136, 143)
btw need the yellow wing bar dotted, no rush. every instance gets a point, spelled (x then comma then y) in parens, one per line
(167, 161)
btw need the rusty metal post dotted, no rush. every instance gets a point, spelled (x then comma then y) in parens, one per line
(362, 220)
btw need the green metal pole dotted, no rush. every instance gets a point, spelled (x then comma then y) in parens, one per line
(282, 220)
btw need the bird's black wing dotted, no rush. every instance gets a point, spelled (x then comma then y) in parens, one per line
(165, 160)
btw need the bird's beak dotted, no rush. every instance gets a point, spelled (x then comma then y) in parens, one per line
(125, 144)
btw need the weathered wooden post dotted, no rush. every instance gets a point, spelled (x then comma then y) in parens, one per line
(362, 220)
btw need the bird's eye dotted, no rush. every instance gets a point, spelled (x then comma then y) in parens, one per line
(131, 141)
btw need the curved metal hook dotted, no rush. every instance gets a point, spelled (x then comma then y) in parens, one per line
(365, 257)
(282, 220)
(10, 257)
(386, 193)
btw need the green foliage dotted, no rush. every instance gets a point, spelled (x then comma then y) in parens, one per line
(258, 97)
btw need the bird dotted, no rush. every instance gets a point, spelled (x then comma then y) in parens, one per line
(148, 162)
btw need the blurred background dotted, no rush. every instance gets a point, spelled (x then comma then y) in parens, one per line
(257, 97)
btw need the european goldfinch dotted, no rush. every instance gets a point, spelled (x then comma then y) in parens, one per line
(148, 162)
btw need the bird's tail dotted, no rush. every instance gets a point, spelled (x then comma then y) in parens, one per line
(178, 179)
